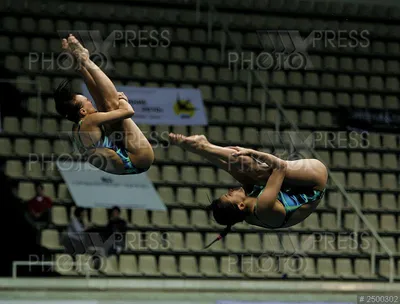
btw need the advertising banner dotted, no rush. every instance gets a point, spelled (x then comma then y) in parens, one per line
(164, 106)
(91, 187)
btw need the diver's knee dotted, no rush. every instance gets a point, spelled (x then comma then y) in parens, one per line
(148, 160)
(144, 160)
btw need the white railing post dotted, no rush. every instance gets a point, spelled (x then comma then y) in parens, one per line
(373, 257)
(15, 265)
(391, 265)
(356, 226)
(235, 72)
(14, 269)
(339, 214)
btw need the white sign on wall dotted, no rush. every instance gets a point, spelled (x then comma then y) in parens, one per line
(90, 187)
(164, 106)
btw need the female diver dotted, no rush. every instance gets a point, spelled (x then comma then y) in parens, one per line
(107, 136)
(274, 194)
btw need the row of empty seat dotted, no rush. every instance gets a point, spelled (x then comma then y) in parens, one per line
(186, 195)
(198, 218)
(200, 196)
(211, 75)
(249, 136)
(307, 117)
(229, 266)
(200, 56)
(220, 113)
(208, 55)
(291, 98)
(370, 180)
(181, 16)
(362, 12)
(318, 243)
(40, 168)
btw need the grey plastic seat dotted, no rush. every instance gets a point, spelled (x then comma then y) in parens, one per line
(188, 266)
(147, 265)
(209, 267)
(110, 266)
(168, 266)
(326, 268)
(194, 241)
(363, 268)
(344, 268)
(230, 267)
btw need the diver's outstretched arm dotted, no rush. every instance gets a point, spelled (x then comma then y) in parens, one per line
(272, 188)
(238, 167)
(266, 158)
(304, 172)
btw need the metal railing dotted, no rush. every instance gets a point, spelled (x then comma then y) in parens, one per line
(228, 36)
(65, 263)
(86, 269)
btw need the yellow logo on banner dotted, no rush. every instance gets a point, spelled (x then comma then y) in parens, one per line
(184, 108)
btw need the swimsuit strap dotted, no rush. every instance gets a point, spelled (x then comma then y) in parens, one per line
(78, 139)
(103, 136)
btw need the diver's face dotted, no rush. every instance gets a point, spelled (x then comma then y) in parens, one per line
(234, 196)
(86, 105)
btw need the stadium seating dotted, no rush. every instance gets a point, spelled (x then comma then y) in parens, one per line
(331, 244)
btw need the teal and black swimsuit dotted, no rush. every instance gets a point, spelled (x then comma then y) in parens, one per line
(106, 142)
(290, 200)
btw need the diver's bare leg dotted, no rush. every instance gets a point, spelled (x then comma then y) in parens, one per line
(100, 86)
(140, 150)
(101, 104)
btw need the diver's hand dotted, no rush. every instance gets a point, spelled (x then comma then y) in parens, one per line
(121, 95)
(242, 152)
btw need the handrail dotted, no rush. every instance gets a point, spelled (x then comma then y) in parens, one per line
(15, 265)
(282, 111)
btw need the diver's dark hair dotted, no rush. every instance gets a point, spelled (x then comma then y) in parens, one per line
(65, 104)
(225, 214)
